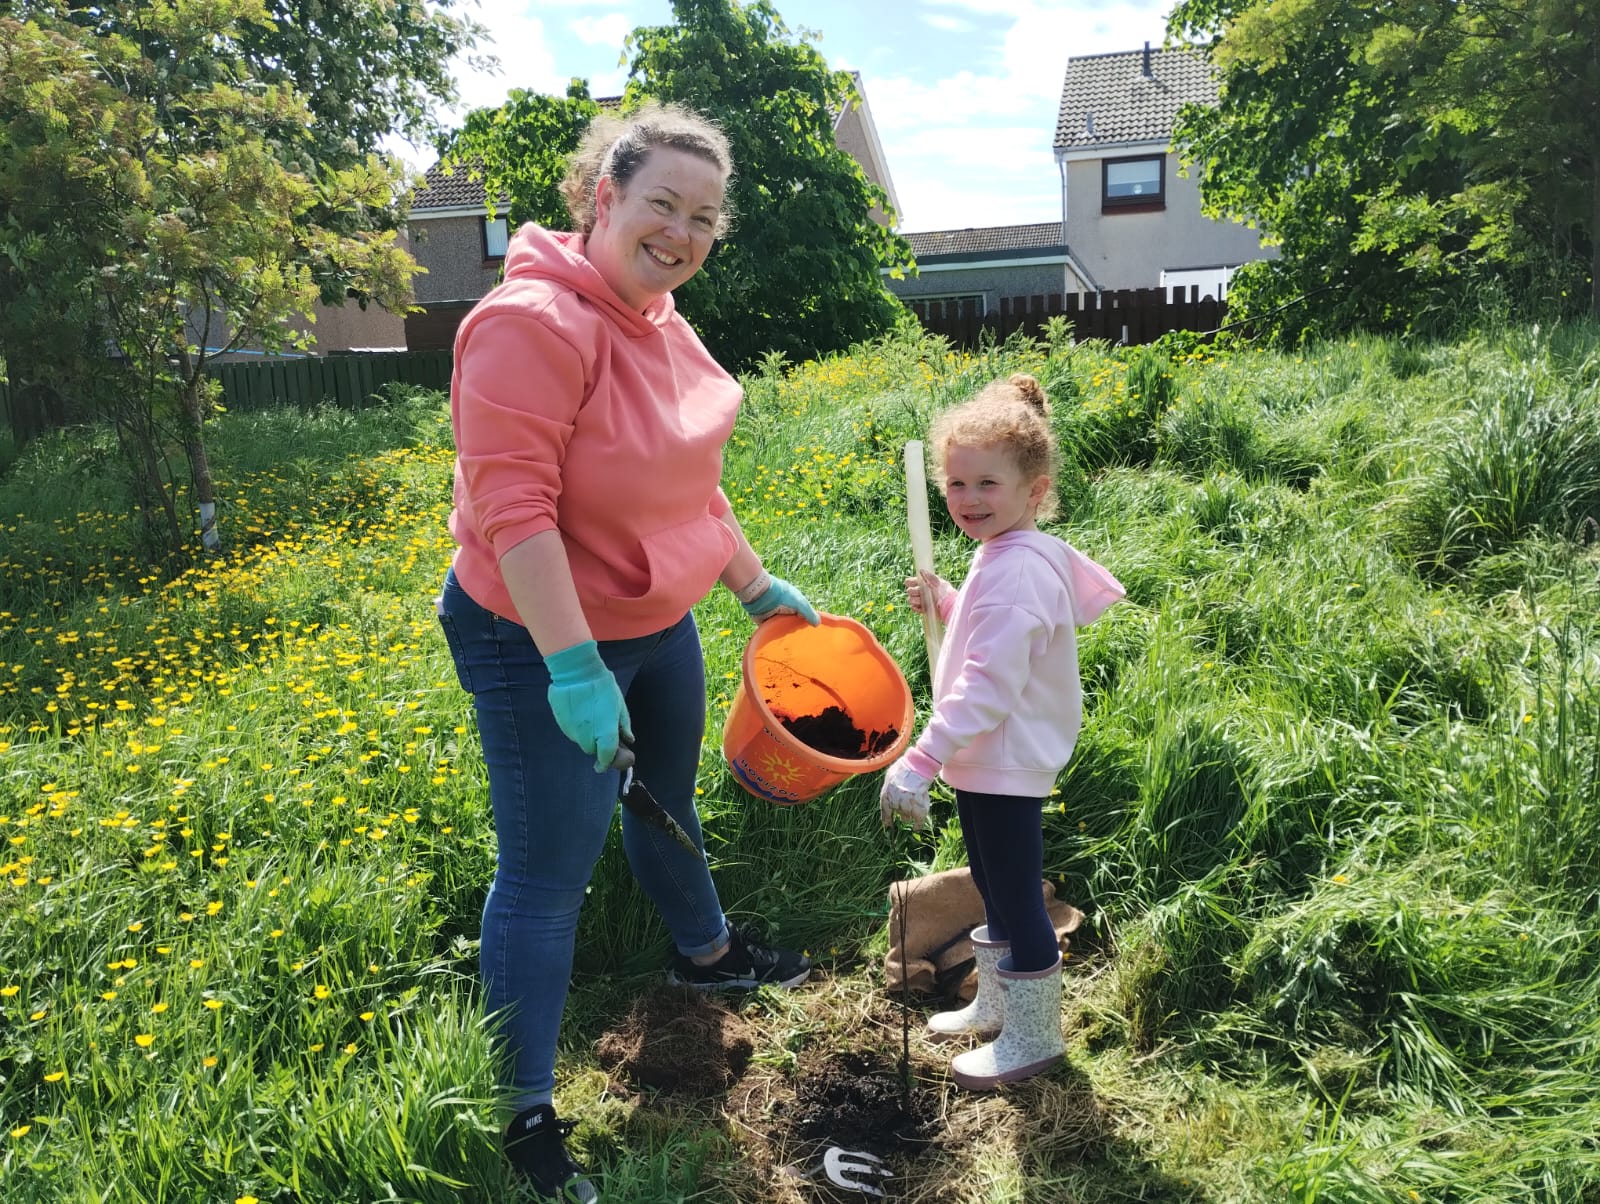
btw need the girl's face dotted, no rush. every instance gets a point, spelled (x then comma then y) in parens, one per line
(653, 233)
(987, 494)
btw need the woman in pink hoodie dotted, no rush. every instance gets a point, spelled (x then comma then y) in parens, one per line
(589, 424)
(1008, 704)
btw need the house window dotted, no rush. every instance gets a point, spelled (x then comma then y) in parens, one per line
(1133, 183)
(496, 234)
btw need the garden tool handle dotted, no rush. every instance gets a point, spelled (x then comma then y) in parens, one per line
(922, 548)
(624, 761)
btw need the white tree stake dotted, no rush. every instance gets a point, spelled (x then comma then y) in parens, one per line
(922, 548)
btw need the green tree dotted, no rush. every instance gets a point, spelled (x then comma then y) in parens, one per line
(364, 68)
(520, 151)
(801, 272)
(148, 202)
(1403, 153)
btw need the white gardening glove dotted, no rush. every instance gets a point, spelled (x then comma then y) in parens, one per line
(904, 794)
(929, 585)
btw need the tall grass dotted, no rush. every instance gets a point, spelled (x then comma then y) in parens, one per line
(1329, 815)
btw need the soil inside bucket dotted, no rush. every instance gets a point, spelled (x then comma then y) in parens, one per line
(834, 733)
(676, 1039)
(857, 1098)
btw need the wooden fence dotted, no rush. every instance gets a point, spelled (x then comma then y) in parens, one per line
(1126, 316)
(352, 380)
(349, 381)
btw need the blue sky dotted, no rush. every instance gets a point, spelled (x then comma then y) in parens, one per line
(963, 92)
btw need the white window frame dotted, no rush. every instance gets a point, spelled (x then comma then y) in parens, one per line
(496, 233)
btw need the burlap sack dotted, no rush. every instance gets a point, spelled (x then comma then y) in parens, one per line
(940, 911)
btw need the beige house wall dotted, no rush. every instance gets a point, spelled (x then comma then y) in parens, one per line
(451, 249)
(345, 327)
(348, 326)
(850, 135)
(1131, 250)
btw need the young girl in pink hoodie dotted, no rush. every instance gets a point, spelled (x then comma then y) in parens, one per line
(1008, 705)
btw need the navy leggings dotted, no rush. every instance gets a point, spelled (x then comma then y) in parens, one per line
(1005, 849)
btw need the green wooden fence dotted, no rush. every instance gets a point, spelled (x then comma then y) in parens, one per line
(348, 381)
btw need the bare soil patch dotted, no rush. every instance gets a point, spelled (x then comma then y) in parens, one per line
(678, 1040)
(857, 1099)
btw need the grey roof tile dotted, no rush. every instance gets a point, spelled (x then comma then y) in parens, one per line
(440, 190)
(1107, 100)
(1040, 236)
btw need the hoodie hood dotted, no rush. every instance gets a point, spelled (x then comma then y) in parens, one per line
(1090, 586)
(537, 254)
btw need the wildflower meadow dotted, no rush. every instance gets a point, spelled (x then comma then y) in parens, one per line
(1332, 817)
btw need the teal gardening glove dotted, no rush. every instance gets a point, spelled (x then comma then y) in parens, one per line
(769, 596)
(587, 703)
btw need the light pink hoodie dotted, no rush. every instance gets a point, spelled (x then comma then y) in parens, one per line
(575, 413)
(1008, 701)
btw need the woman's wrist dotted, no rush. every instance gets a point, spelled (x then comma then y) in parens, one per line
(754, 588)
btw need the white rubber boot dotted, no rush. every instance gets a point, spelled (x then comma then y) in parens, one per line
(1031, 1039)
(985, 1015)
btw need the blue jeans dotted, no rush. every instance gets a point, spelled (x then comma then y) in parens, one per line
(552, 812)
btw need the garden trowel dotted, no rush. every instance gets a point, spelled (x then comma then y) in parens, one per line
(643, 804)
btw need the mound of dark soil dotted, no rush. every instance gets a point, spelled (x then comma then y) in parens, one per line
(835, 734)
(857, 1099)
(676, 1039)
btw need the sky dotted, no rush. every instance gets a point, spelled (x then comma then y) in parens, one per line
(963, 92)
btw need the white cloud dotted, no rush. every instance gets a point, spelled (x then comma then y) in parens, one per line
(518, 40)
(951, 176)
(947, 24)
(900, 104)
(609, 30)
(608, 33)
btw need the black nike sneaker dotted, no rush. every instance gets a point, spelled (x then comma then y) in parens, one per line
(535, 1145)
(747, 964)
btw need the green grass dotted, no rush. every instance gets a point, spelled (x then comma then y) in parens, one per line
(1331, 814)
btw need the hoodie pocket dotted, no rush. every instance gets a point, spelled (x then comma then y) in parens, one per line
(683, 562)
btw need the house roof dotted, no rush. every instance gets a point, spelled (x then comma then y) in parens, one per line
(442, 190)
(988, 242)
(1108, 100)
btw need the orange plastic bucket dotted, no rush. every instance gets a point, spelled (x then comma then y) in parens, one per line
(825, 681)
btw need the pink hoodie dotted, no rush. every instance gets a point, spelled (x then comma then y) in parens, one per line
(1008, 701)
(573, 412)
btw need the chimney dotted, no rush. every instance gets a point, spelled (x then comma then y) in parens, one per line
(1147, 60)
